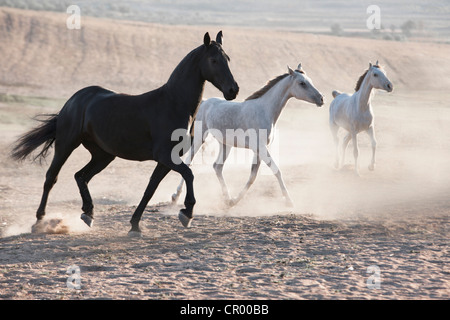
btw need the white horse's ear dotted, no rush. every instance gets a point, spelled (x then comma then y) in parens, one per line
(376, 63)
(370, 64)
(299, 66)
(291, 72)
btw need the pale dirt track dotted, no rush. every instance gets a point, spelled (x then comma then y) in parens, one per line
(272, 257)
(257, 250)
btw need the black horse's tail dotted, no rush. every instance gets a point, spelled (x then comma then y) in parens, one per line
(44, 134)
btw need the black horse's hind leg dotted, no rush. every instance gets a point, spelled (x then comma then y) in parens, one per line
(51, 177)
(100, 160)
(158, 174)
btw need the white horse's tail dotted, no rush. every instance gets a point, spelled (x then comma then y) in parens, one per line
(336, 93)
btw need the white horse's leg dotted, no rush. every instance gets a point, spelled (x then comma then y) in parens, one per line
(265, 156)
(345, 142)
(177, 194)
(197, 143)
(218, 167)
(371, 134)
(334, 132)
(255, 167)
(355, 151)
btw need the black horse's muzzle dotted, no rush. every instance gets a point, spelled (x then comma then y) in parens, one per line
(232, 92)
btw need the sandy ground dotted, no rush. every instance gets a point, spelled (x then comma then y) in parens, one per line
(289, 256)
(393, 220)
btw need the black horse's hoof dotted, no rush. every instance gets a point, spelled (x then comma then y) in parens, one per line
(87, 219)
(35, 228)
(185, 220)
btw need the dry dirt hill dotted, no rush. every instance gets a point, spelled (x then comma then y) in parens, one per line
(40, 56)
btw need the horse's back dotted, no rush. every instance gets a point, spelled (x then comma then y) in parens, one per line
(224, 115)
(87, 94)
(71, 117)
(216, 108)
(340, 100)
(116, 122)
(344, 113)
(82, 98)
(339, 106)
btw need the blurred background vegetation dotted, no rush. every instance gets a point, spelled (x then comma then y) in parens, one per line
(401, 19)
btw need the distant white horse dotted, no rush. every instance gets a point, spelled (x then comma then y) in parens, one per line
(354, 112)
(249, 124)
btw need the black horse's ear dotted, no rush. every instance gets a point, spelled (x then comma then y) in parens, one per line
(219, 37)
(206, 39)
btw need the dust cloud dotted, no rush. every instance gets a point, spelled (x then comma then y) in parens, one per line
(412, 124)
(411, 174)
(53, 223)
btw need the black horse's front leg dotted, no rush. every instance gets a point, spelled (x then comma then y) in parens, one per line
(161, 170)
(186, 215)
(158, 174)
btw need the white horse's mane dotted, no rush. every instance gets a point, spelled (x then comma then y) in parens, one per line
(361, 79)
(270, 84)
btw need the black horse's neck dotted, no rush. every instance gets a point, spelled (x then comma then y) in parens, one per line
(186, 83)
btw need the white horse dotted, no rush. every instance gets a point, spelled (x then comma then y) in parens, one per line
(249, 124)
(354, 113)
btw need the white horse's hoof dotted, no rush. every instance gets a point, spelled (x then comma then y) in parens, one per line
(289, 203)
(87, 219)
(371, 167)
(185, 221)
(231, 202)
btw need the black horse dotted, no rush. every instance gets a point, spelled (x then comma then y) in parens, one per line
(131, 127)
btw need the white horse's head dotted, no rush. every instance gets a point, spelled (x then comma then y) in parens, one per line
(302, 87)
(378, 79)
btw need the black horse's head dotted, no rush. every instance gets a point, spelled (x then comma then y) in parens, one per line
(215, 67)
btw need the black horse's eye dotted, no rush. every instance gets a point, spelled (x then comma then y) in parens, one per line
(213, 61)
